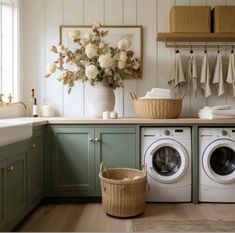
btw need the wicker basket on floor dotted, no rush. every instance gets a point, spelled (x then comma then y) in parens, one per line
(123, 196)
(156, 108)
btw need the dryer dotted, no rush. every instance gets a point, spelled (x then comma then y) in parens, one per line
(167, 154)
(217, 164)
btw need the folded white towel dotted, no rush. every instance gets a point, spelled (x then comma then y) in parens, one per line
(231, 72)
(230, 112)
(218, 107)
(159, 97)
(158, 93)
(218, 78)
(192, 76)
(211, 116)
(177, 78)
(161, 90)
(205, 78)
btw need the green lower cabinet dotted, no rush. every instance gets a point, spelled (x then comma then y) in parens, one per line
(35, 168)
(77, 151)
(16, 186)
(3, 219)
(73, 161)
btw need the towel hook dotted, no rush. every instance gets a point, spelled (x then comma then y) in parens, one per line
(191, 49)
(218, 49)
(205, 48)
(177, 49)
(232, 49)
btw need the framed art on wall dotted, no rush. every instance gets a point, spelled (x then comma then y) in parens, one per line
(115, 34)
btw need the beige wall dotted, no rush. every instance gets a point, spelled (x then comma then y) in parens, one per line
(40, 20)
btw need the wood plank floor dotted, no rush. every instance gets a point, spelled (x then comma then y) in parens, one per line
(91, 218)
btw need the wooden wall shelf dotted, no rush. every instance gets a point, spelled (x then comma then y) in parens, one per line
(196, 37)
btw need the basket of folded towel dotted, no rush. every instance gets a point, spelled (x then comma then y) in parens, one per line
(123, 190)
(157, 104)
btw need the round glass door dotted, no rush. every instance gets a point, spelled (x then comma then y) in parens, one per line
(166, 160)
(219, 161)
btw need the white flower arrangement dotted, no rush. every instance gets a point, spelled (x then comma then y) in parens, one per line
(94, 60)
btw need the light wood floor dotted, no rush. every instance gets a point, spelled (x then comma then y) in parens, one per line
(90, 217)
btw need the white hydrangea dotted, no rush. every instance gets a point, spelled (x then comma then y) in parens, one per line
(74, 34)
(91, 72)
(124, 44)
(121, 65)
(105, 61)
(123, 56)
(91, 50)
(62, 49)
(87, 36)
(51, 68)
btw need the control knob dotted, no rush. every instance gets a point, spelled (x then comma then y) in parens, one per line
(167, 132)
(224, 132)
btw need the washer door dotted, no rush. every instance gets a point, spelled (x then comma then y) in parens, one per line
(219, 161)
(167, 161)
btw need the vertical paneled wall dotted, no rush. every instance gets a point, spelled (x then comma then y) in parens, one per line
(40, 20)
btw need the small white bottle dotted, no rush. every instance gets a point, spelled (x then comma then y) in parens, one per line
(35, 108)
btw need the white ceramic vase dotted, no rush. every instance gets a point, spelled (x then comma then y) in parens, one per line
(100, 98)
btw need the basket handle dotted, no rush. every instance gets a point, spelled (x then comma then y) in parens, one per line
(133, 95)
(144, 168)
(102, 168)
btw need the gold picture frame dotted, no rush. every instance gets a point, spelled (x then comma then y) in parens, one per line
(116, 32)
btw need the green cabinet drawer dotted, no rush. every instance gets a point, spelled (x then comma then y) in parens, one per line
(72, 161)
(16, 186)
(35, 168)
(3, 220)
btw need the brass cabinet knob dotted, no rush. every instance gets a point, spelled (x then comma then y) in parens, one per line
(91, 140)
(11, 168)
(97, 140)
(33, 146)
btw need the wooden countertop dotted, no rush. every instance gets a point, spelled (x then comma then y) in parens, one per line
(124, 121)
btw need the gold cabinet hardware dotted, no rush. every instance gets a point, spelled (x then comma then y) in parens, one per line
(33, 146)
(97, 140)
(11, 168)
(91, 140)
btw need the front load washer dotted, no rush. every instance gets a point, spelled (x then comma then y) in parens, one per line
(167, 154)
(217, 164)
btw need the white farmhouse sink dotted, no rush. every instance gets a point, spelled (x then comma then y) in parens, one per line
(11, 132)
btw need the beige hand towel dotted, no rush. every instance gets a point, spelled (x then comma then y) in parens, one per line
(206, 76)
(218, 78)
(192, 76)
(177, 79)
(231, 72)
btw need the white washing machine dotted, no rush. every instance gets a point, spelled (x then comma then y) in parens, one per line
(167, 154)
(217, 164)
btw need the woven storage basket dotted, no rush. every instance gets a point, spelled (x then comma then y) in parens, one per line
(224, 19)
(190, 19)
(123, 198)
(157, 108)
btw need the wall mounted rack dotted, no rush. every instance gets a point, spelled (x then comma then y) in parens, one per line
(174, 40)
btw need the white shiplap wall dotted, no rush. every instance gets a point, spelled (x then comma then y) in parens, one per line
(40, 20)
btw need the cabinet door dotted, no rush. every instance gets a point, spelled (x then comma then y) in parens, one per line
(117, 147)
(72, 160)
(35, 168)
(2, 194)
(16, 186)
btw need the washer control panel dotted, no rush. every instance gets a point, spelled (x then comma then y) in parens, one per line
(217, 132)
(153, 133)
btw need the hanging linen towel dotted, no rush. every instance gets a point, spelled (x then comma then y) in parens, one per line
(177, 78)
(206, 76)
(218, 78)
(231, 72)
(192, 76)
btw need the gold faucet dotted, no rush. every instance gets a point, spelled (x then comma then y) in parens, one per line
(10, 101)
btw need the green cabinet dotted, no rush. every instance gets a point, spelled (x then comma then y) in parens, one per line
(35, 168)
(16, 186)
(77, 152)
(3, 220)
(73, 161)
